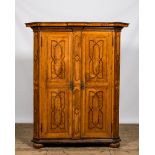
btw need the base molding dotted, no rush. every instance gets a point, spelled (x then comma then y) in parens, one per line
(111, 142)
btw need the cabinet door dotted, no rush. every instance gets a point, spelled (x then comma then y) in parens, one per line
(96, 106)
(55, 95)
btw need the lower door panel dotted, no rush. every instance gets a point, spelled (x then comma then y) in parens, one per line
(96, 122)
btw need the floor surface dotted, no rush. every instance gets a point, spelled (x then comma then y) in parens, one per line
(129, 134)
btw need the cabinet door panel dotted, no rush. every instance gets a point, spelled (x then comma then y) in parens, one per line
(56, 104)
(58, 116)
(96, 109)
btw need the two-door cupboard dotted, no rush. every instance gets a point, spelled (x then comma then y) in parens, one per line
(76, 82)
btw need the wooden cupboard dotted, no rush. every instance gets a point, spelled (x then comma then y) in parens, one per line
(76, 82)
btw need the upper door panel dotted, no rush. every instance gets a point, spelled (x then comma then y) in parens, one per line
(97, 46)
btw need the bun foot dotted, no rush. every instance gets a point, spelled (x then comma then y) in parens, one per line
(115, 145)
(37, 145)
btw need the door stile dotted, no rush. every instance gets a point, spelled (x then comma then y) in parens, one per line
(76, 77)
(83, 99)
(42, 83)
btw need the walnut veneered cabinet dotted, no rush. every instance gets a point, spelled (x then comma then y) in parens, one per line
(76, 82)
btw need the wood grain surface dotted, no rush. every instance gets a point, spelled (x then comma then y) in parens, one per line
(76, 81)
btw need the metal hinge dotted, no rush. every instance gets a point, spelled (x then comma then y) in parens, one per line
(41, 41)
(41, 127)
(112, 41)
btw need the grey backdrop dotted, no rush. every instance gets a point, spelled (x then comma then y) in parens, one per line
(78, 10)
